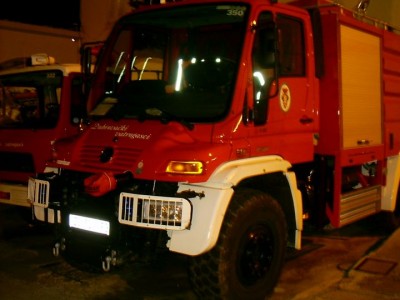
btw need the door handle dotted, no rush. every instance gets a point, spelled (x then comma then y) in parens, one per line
(306, 120)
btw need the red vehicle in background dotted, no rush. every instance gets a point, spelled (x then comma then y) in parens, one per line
(40, 103)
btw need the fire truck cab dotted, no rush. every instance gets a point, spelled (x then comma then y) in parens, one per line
(40, 102)
(218, 127)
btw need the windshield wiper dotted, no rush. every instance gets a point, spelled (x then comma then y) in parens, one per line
(165, 117)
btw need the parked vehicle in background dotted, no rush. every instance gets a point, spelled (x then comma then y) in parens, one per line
(217, 127)
(40, 103)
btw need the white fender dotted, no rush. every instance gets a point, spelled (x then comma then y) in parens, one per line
(389, 192)
(209, 211)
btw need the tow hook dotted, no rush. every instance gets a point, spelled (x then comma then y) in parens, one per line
(58, 246)
(109, 260)
(56, 249)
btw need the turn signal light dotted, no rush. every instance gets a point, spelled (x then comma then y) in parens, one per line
(185, 167)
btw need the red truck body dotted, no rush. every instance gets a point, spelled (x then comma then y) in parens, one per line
(35, 112)
(218, 128)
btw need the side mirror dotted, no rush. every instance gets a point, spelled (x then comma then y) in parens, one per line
(89, 54)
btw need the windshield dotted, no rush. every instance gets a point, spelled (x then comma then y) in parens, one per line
(178, 62)
(30, 100)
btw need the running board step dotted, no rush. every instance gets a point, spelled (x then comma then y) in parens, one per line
(359, 204)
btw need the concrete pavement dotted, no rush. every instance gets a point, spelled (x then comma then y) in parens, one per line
(353, 263)
(376, 275)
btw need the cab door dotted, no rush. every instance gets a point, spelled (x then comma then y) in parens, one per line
(283, 87)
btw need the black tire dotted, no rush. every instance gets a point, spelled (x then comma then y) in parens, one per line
(247, 260)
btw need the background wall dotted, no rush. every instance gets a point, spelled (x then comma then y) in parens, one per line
(22, 40)
(97, 17)
(26, 30)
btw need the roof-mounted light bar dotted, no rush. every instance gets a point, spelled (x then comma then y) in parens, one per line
(40, 59)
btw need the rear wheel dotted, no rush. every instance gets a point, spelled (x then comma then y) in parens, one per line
(247, 260)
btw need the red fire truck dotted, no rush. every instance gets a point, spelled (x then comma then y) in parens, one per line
(217, 127)
(35, 111)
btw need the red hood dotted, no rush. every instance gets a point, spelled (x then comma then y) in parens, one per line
(143, 148)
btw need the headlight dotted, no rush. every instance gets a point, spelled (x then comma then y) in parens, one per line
(185, 167)
(154, 211)
(162, 210)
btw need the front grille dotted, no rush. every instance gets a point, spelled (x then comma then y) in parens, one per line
(154, 211)
(38, 192)
(121, 160)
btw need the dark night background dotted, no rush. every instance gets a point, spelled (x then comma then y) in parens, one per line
(63, 14)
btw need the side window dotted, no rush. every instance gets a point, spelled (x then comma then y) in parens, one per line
(291, 46)
(263, 62)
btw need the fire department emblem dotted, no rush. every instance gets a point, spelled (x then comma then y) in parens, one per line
(284, 97)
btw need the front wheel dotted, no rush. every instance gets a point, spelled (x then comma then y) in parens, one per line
(248, 258)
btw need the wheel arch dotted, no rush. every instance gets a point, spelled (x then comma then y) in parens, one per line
(209, 211)
(390, 191)
(277, 185)
(390, 203)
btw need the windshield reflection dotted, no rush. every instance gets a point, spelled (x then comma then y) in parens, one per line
(180, 62)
